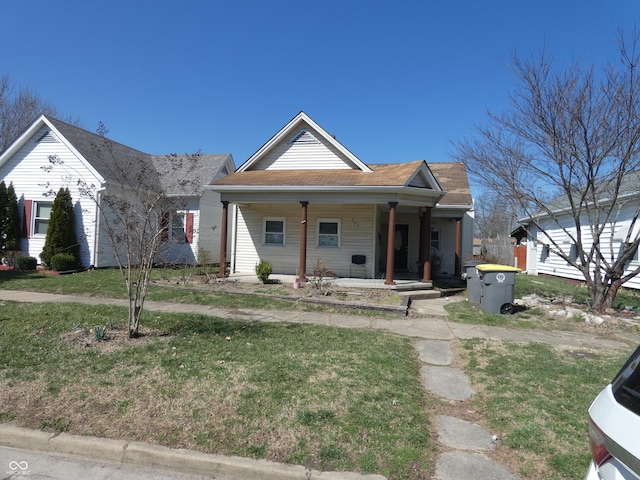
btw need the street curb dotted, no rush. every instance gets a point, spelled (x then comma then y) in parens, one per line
(155, 456)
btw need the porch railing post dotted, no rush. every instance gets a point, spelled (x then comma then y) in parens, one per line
(222, 273)
(426, 246)
(391, 241)
(302, 275)
(458, 265)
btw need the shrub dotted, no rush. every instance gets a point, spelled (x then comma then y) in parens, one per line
(26, 263)
(263, 270)
(61, 262)
(61, 232)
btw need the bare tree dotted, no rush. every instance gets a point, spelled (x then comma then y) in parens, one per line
(494, 216)
(135, 206)
(18, 108)
(568, 151)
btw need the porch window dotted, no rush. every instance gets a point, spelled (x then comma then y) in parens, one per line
(42, 214)
(329, 233)
(435, 240)
(274, 231)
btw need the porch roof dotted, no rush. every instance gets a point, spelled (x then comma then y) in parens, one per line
(384, 176)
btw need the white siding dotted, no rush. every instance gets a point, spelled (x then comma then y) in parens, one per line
(552, 264)
(31, 182)
(208, 226)
(356, 238)
(288, 155)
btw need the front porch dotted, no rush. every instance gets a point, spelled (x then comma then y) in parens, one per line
(404, 282)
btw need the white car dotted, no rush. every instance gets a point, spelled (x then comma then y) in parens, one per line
(614, 426)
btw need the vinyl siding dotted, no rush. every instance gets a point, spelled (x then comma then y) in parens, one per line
(31, 182)
(288, 155)
(553, 264)
(356, 238)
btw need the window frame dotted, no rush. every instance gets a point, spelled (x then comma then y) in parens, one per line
(38, 220)
(337, 235)
(265, 233)
(435, 242)
(180, 237)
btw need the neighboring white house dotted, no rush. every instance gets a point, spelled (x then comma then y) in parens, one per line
(82, 156)
(303, 196)
(551, 233)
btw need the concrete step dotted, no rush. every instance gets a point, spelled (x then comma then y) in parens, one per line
(420, 294)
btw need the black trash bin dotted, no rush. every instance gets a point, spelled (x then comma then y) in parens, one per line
(474, 287)
(497, 287)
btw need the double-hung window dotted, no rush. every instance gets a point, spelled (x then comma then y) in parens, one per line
(42, 214)
(178, 233)
(329, 233)
(274, 229)
(435, 240)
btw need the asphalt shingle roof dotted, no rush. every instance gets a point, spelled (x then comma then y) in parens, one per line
(452, 178)
(118, 163)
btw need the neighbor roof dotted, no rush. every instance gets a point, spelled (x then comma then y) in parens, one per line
(163, 170)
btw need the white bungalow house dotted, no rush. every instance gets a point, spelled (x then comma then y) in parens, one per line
(82, 156)
(554, 231)
(303, 196)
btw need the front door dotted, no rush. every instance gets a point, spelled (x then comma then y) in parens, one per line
(402, 247)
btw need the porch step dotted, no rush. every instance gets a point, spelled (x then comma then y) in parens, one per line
(420, 294)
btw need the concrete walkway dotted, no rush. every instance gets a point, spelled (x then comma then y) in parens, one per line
(465, 444)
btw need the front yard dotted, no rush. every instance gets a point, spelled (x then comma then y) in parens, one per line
(322, 397)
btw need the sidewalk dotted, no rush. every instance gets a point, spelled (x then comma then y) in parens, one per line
(465, 443)
(431, 321)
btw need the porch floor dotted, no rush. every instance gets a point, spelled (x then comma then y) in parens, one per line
(404, 282)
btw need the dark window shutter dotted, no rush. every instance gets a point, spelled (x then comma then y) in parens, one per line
(26, 224)
(188, 228)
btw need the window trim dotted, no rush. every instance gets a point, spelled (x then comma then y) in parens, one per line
(181, 237)
(337, 235)
(283, 233)
(34, 221)
(434, 243)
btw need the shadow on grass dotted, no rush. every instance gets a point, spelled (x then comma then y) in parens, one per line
(13, 275)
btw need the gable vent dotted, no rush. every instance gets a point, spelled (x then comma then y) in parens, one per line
(304, 137)
(48, 137)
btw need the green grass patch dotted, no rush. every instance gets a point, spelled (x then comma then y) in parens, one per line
(327, 398)
(536, 397)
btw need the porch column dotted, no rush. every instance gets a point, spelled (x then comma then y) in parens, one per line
(425, 245)
(458, 266)
(303, 244)
(391, 244)
(222, 273)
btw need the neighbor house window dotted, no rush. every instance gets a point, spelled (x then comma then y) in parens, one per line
(42, 214)
(329, 233)
(274, 231)
(177, 227)
(544, 254)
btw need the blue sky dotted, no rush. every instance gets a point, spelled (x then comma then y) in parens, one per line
(393, 81)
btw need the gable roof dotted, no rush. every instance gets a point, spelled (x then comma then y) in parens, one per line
(299, 127)
(104, 157)
(454, 180)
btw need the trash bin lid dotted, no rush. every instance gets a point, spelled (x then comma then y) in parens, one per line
(493, 267)
(473, 263)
